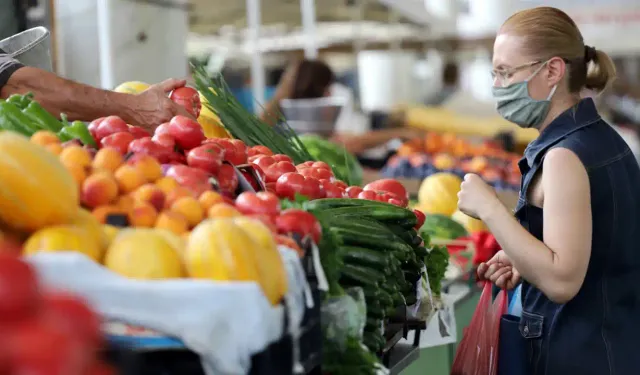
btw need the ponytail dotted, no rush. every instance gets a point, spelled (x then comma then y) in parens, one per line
(601, 72)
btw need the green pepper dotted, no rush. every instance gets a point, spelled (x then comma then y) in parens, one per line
(64, 136)
(42, 118)
(79, 130)
(20, 101)
(15, 120)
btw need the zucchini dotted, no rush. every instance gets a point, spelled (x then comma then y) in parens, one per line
(366, 257)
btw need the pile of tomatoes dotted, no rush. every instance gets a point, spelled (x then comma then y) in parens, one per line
(44, 333)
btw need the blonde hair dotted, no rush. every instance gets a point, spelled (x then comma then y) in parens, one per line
(550, 32)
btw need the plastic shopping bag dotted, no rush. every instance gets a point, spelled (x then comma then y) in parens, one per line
(477, 353)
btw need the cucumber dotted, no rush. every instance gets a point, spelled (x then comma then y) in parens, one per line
(374, 341)
(375, 312)
(331, 203)
(363, 275)
(366, 257)
(388, 213)
(410, 299)
(374, 241)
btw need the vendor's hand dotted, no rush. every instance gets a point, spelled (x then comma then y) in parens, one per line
(476, 198)
(153, 107)
(500, 271)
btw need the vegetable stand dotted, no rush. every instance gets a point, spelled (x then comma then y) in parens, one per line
(241, 250)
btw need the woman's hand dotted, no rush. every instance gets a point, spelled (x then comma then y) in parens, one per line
(287, 82)
(476, 198)
(499, 271)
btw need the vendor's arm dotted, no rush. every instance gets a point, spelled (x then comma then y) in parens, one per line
(559, 265)
(82, 102)
(359, 143)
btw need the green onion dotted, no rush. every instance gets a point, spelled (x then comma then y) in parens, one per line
(244, 125)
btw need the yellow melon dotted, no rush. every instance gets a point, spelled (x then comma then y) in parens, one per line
(273, 276)
(132, 87)
(36, 190)
(142, 253)
(438, 194)
(219, 249)
(470, 224)
(64, 238)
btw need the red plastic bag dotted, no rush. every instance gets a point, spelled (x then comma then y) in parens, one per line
(477, 353)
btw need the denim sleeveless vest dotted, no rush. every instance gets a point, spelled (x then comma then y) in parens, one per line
(598, 331)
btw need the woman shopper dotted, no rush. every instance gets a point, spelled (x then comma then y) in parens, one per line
(574, 236)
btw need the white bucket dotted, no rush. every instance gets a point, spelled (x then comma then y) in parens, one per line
(31, 47)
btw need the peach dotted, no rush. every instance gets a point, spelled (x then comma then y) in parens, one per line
(220, 210)
(173, 222)
(209, 198)
(78, 172)
(142, 214)
(190, 208)
(125, 202)
(108, 159)
(147, 165)
(176, 193)
(150, 193)
(129, 178)
(75, 154)
(98, 189)
(102, 212)
(44, 138)
(54, 148)
(167, 184)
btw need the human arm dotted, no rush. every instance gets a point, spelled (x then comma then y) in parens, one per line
(271, 110)
(558, 265)
(82, 102)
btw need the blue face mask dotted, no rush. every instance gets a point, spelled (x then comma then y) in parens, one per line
(516, 105)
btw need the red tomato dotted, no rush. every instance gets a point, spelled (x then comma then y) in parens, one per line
(333, 191)
(227, 179)
(73, 317)
(259, 150)
(341, 184)
(164, 140)
(99, 368)
(317, 173)
(235, 151)
(277, 169)
(110, 125)
(263, 161)
(19, 290)
(282, 157)
(300, 222)
(258, 203)
(119, 141)
(392, 187)
(93, 126)
(270, 187)
(188, 98)
(207, 157)
(37, 347)
(162, 129)
(353, 191)
(177, 158)
(187, 133)
(421, 218)
(138, 132)
(315, 164)
(193, 179)
(149, 147)
(290, 184)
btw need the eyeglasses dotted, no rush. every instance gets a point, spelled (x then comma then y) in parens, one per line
(504, 75)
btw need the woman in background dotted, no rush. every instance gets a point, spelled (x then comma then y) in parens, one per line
(312, 79)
